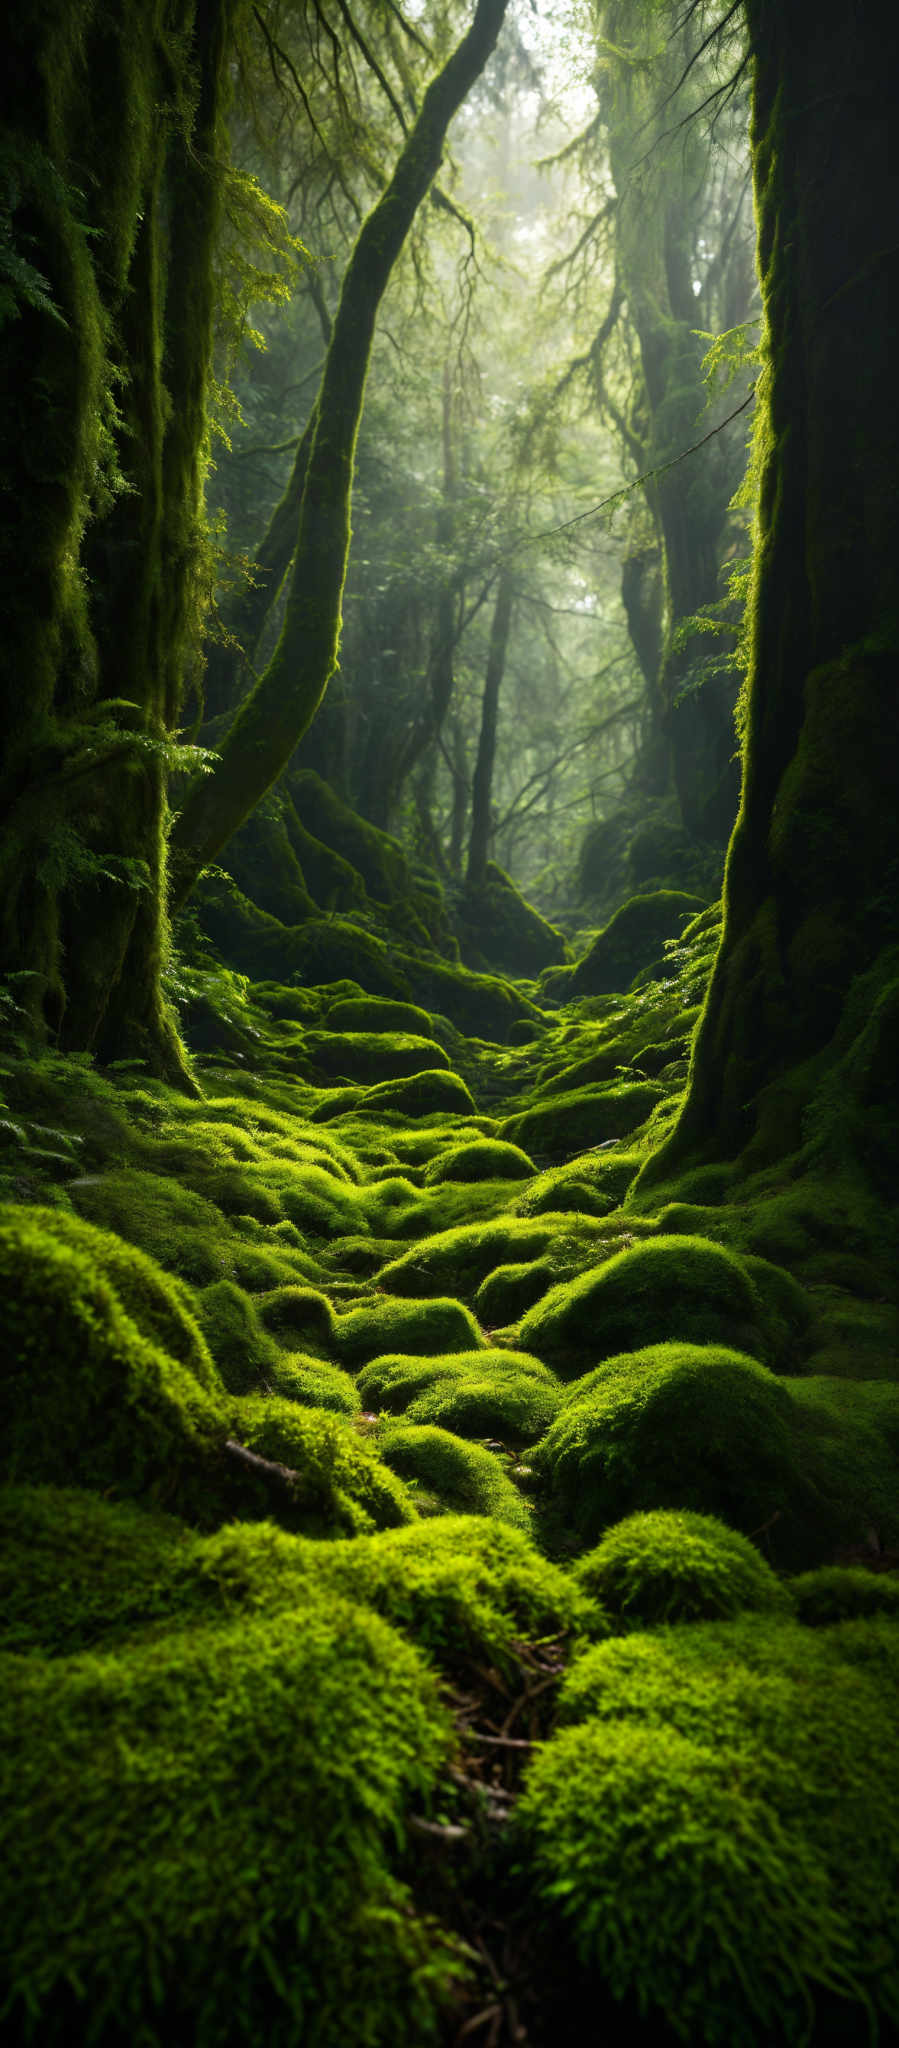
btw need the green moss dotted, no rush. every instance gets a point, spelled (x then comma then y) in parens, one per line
(633, 939)
(499, 928)
(718, 1835)
(486, 1393)
(674, 1426)
(314, 1382)
(243, 1351)
(567, 1124)
(216, 1841)
(375, 1014)
(157, 1305)
(668, 1287)
(342, 1486)
(301, 1314)
(424, 1327)
(455, 1476)
(669, 1565)
(592, 1184)
(509, 1291)
(432, 1092)
(176, 1226)
(841, 1592)
(482, 1159)
(461, 1258)
(372, 1056)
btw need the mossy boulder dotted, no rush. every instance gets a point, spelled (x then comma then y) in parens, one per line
(159, 1307)
(509, 1291)
(842, 1592)
(715, 1836)
(674, 1426)
(564, 1125)
(179, 1228)
(371, 1056)
(460, 1258)
(430, 1092)
(371, 1013)
(485, 1393)
(591, 1184)
(633, 939)
(668, 1287)
(215, 1838)
(499, 928)
(244, 1352)
(451, 1476)
(480, 1159)
(670, 1565)
(396, 1324)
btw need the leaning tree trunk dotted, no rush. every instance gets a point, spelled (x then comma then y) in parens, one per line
(802, 973)
(482, 784)
(277, 712)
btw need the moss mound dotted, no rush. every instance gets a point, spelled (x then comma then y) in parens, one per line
(373, 1014)
(372, 1056)
(425, 1327)
(717, 1834)
(668, 1287)
(452, 1475)
(431, 1092)
(462, 1257)
(675, 1426)
(499, 928)
(837, 1592)
(480, 1159)
(668, 1566)
(591, 1184)
(476, 1393)
(224, 1880)
(633, 939)
(509, 1291)
(563, 1125)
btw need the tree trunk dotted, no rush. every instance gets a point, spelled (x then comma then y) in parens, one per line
(276, 714)
(482, 785)
(810, 896)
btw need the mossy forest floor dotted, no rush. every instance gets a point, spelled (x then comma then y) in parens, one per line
(447, 1591)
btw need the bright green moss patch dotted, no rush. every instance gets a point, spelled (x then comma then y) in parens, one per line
(634, 938)
(484, 1393)
(717, 1833)
(461, 1258)
(841, 1592)
(370, 1013)
(670, 1565)
(371, 1056)
(675, 1426)
(564, 1125)
(592, 1184)
(243, 1351)
(484, 1159)
(341, 1486)
(668, 1287)
(224, 1879)
(314, 1382)
(176, 1226)
(450, 1475)
(386, 1324)
(300, 1315)
(431, 1092)
(510, 1290)
(158, 1306)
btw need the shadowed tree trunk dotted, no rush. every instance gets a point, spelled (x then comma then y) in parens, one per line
(277, 712)
(803, 980)
(482, 784)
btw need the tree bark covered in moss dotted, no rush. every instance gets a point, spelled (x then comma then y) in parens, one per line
(810, 895)
(277, 712)
(112, 119)
(482, 783)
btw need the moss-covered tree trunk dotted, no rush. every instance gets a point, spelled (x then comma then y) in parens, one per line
(803, 978)
(110, 161)
(482, 783)
(277, 712)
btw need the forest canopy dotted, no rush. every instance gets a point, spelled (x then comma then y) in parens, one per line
(449, 1022)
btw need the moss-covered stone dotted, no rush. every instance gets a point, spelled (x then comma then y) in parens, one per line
(674, 1426)
(480, 1159)
(667, 1287)
(670, 1565)
(159, 1307)
(485, 1393)
(509, 1291)
(372, 1056)
(564, 1125)
(243, 1350)
(633, 939)
(450, 1475)
(376, 1014)
(215, 1837)
(430, 1092)
(842, 1592)
(300, 1315)
(426, 1328)
(592, 1184)
(462, 1257)
(499, 928)
(716, 1834)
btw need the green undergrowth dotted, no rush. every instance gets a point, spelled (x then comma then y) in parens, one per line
(383, 1344)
